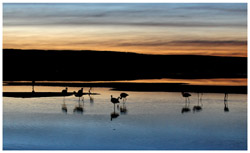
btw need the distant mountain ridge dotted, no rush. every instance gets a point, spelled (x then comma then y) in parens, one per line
(109, 65)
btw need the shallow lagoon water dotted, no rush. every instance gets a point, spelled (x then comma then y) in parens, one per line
(154, 121)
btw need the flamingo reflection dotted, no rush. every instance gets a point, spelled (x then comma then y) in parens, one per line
(64, 107)
(226, 109)
(226, 97)
(198, 107)
(123, 109)
(79, 108)
(91, 99)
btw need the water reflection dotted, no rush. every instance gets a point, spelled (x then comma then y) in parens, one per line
(113, 115)
(64, 106)
(91, 99)
(186, 108)
(198, 107)
(226, 97)
(79, 108)
(123, 109)
(141, 113)
(226, 109)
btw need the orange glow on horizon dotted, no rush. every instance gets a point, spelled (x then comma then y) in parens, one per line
(209, 82)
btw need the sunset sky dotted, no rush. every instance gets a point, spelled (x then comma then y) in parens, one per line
(151, 28)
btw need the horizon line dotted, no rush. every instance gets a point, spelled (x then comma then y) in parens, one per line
(125, 52)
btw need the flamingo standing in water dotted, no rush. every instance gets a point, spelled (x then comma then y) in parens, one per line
(186, 95)
(114, 100)
(65, 91)
(79, 93)
(123, 96)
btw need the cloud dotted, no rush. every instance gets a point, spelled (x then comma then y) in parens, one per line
(145, 15)
(86, 22)
(221, 7)
(209, 42)
(186, 43)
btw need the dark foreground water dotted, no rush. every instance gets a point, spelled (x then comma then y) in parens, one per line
(153, 121)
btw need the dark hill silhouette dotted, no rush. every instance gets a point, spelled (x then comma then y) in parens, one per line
(107, 65)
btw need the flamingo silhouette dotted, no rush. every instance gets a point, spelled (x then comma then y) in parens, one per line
(114, 100)
(186, 95)
(123, 96)
(65, 91)
(79, 93)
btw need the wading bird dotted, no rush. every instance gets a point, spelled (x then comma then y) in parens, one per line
(79, 93)
(114, 100)
(123, 96)
(65, 91)
(186, 95)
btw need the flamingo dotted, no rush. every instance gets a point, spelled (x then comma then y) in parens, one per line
(65, 91)
(114, 100)
(79, 93)
(186, 95)
(123, 96)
